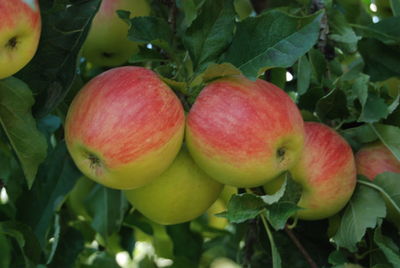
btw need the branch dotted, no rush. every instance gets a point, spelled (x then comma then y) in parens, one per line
(300, 247)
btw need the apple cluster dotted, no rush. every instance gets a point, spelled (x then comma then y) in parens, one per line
(126, 129)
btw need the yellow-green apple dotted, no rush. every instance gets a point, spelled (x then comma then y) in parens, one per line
(374, 159)
(214, 221)
(107, 43)
(20, 28)
(77, 196)
(244, 133)
(326, 171)
(183, 192)
(124, 128)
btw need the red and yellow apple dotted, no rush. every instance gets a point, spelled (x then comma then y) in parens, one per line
(107, 43)
(326, 171)
(182, 193)
(374, 159)
(124, 128)
(244, 133)
(20, 28)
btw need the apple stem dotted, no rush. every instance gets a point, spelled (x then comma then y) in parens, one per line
(300, 247)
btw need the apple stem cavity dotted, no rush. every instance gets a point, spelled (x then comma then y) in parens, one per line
(280, 153)
(12, 43)
(94, 161)
(107, 54)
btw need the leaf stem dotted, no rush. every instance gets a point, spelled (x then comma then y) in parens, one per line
(300, 247)
(276, 260)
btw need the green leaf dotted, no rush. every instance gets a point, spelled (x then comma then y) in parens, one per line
(342, 33)
(272, 39)
(333, 105)
(17, 122)
(395, 5)
(381, 61)
(107, 208)
(388, 184)
(276, 258)
(359, 135)
(210, 33)
(55, 179)
(388, 247)
(68, 251)
(189, 8)
(389, 135)
(187, 244)
(374, 109)
(303, 75)
(25, 240)
(50, 74)
(147, 29)
(387, 30)
(5, 252)
(242, 207)
(363, 211)
(278, 213)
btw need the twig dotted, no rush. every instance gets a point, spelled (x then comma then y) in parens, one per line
(300, 247)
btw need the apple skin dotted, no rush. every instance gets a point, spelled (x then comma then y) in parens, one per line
(244, 133)
(107, 43)
(374, 159)
(182, 193)
(124, 128)
(326, 171)
(20, 27)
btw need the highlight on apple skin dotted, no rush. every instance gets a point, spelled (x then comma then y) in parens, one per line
(375, 159)
(244, 133)
(124, 128)
(20, 28)
(182, 193)
(107, 43)
(326, 171)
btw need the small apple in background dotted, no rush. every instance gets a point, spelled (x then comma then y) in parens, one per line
(182, 193)
(107, 43)
(326, 171)
(244, 133)
(20, 28)
(374, 159)
(124, 128)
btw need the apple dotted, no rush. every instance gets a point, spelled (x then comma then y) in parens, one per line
(124, 128)
(182, 193)
(374, 159)
(20, 28)
(107, 43)
(326, 171)
(244, 133)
